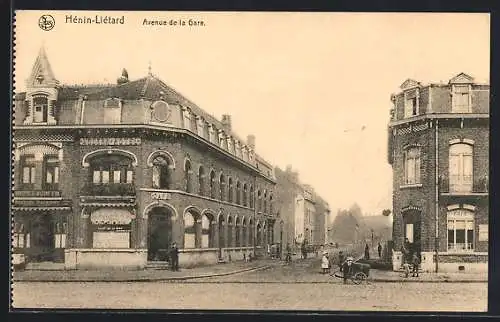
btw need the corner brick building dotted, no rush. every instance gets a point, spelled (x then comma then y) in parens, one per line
(439, 151)
(111, 175)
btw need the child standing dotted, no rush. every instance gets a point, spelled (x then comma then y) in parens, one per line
(325, 263)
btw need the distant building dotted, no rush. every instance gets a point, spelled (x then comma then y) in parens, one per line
(110, 175)
(439, 152)
(303, 219)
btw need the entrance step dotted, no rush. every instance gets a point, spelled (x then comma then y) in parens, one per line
(44, 266)
(158, 265)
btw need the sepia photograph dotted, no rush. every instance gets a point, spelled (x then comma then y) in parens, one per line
(291, 161)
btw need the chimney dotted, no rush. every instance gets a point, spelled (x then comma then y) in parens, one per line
(251, 141)
(226, 122)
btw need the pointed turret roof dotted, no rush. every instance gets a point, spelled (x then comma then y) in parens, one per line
(41, 73)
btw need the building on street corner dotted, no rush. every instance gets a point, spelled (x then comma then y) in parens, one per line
(111, 175)
(438, 138)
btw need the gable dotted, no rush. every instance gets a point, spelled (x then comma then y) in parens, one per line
(462, 78)
(409, 83)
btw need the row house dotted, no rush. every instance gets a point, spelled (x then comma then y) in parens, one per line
(438, 138)
(111, 175)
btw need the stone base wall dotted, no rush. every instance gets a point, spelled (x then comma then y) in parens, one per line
(95, 258)
(448, 263)
(198, 256)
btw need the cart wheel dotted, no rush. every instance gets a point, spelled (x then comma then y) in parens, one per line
(359, 278)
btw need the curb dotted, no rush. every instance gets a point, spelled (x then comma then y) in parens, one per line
(167, 279)
(426, 281)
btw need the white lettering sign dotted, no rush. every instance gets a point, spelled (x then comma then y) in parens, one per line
(160, 195)
(110, 141)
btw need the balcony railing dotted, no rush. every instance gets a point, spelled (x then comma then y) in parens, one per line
(38, 193)
(463, 184)
(111, 189)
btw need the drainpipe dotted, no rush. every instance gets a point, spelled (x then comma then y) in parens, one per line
(436, 241)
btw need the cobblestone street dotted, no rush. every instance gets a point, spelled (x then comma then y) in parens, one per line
(295, 287)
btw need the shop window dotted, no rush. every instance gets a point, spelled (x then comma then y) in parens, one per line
(20, 237)
(460, 230)
(51, 173)
(27, 163)
(60, 233)
(460, 167)
(206, 237)
(161, 173)
(193, 231)
(412, 166)
(111, 228)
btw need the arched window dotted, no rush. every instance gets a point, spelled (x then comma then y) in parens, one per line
(265, 202)
(251, 232)
(222, 186)
(461, 167)
(238, 193)
(412, 166)
(110, 175)
(161, 173)
(206, 232)
(187, 176)
(259, 200)
(251, 197)
(271, 210)
(237, 231)
(201, 181)
(192, 230)
(230, 224)
(212, 184)
(230, 190)
(460, 230)
(244, 228)
(27, 164)
(245, 195)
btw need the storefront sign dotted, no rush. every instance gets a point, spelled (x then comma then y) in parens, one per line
(483, 232)
(110, 141)
(160, 196)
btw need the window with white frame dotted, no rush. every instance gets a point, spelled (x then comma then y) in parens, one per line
(460, 167)
(27, 163)
(60, 233)
(460, 224)
(40, 109)
(412, 166)
(461, 99)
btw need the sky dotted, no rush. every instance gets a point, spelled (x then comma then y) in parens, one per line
(314, 88)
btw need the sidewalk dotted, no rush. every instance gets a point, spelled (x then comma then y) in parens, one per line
(390, 276)
(143, 275)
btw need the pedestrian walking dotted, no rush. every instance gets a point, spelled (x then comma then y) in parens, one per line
(325, 262)
(367, 252)
(341, 260)
(174, 257)
(288, 254)
(347, 268)
(379, 248)
(416, 264)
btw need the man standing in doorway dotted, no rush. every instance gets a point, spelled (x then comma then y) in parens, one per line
(174, 257)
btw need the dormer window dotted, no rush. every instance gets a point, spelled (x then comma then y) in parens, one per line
(112, 111)
(461, 101)
(411, 103)
(40, 109)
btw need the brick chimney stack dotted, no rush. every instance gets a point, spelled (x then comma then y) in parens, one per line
(251, 141)
(226, 122)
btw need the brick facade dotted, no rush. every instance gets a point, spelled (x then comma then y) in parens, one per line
(415, 203)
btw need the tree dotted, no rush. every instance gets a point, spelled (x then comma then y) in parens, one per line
(386, 212)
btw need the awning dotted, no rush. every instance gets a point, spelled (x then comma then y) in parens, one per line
(108, 204)
(112, 216)
(62, 208)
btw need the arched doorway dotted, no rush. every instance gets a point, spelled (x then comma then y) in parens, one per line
(159, 233)
(412, 229)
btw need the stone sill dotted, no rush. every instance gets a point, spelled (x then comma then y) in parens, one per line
(409, 186)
